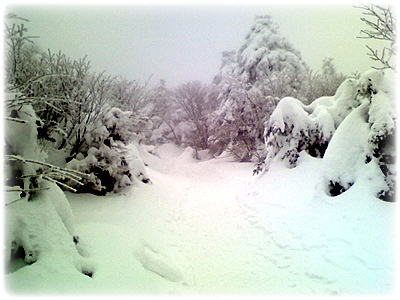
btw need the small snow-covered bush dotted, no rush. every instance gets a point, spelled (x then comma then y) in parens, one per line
(353, 131)
(111, 165)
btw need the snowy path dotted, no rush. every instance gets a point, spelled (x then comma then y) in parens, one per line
(210, 227)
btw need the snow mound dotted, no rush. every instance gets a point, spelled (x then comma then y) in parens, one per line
(156, 262)
(370, 130)
(188, 155)
(167, 150)
(43, 230)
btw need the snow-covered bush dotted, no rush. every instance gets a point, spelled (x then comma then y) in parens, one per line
(38, 216)
(353, 131)
(294, 127)
(364, 141)
(106, 157)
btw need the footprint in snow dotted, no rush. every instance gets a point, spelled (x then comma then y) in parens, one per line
(157, 263)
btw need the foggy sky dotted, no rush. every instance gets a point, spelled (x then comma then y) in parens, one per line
(181, 43)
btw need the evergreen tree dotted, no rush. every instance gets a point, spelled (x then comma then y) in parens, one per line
(251, 82)
(268, 60)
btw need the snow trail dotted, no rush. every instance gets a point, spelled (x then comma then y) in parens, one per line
(210, 227)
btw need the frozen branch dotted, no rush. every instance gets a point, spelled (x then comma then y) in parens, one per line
(381, 26)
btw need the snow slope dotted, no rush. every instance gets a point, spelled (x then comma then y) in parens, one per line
(209, 227)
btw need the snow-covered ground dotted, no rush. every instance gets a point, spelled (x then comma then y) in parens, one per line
(210, 227)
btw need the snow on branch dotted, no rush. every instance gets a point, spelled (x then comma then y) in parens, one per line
(381, 25)
(48, 172)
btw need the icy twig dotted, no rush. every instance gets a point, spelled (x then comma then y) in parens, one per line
(25, 160)
(14, 120)
(59, 183)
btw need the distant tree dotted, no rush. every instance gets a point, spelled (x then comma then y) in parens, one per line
(19, 49)
(381, 25)
(162, 117)
(195, 103)
(269, 60)
(131, 96)
(322, 83)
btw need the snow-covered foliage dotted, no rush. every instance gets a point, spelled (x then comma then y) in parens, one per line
(181, 115)
(77, 116)
(322, 83)
(294, 127)
(266, 58)
(352, 131)
(41, 230)
(106, 156)
(265, 69)
(38, 216)
(238, 123)
(370, 129)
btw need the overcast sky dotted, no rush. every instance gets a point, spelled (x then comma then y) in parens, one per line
(181, 43)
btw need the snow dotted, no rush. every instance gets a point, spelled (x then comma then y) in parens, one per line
(44, 228)
(352, 159)
(210, 227)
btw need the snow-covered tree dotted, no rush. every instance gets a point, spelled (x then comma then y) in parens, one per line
(239, 122)
(265, 69)
(193, 100)
(267, 59)
(182, 115)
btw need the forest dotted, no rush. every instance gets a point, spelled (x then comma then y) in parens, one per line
(74, 137)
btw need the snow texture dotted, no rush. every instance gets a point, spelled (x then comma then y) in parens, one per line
(212, 228)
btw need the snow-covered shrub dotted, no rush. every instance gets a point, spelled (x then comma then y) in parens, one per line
(111, 165)
(364, 141)
(294, 127)
(42, 232)
(353, 131)
(38, 216)
(25, 159)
